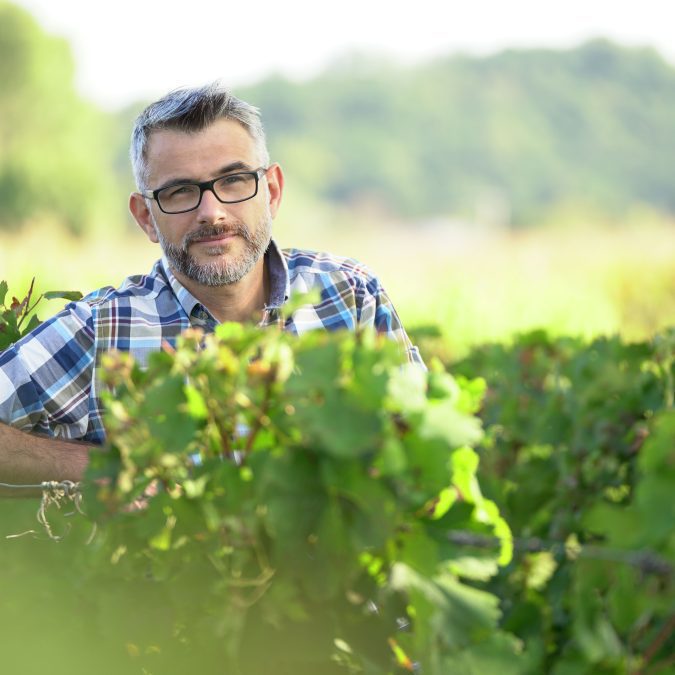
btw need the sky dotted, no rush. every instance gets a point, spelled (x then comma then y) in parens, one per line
(134, 49)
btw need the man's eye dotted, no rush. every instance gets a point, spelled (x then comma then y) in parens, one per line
(177, 191)
(233, 179)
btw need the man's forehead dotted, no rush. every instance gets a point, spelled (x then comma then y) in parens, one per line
(223, 142)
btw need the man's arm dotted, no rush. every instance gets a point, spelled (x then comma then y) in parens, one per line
(44, 387)
(28, 459)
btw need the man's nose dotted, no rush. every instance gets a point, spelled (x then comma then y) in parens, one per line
(210, 208)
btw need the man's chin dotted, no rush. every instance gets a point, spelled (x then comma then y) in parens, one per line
(218, 273)
(210, 252)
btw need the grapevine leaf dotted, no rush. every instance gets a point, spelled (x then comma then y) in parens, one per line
(407, 389)
(442, 420)
(499, 653)
(453, 612)
(33, 323)
(195, 403)
(64, 295)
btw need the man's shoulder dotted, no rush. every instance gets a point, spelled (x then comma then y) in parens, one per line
(302, 261)
(139, 286)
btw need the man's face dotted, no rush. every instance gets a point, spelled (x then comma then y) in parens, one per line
(216, 243)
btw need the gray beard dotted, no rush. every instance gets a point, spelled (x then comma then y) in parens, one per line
(219, 272)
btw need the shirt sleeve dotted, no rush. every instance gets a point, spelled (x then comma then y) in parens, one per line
(46, 377)
(379, 311)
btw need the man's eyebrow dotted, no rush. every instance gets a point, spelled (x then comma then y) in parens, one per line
(228, 168)
(235, 166)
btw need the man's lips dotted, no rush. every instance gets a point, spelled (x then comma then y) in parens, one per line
(214, 238)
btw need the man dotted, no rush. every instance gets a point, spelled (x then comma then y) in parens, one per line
(207, 194)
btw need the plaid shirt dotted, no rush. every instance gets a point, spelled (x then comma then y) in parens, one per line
(48, 380)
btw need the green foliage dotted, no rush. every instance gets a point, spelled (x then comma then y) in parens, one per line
(301, 495)
(273, 503)
(284, 503)
(18, 319)
(579, 456)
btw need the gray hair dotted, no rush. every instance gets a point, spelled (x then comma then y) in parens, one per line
(189, 110)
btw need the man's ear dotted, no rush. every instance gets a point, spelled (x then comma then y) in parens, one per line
(275, 185)
(141, 213)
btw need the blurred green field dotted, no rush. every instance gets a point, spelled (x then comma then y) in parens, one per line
(476, 284)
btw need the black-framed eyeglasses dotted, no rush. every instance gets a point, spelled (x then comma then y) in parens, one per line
(229, 189)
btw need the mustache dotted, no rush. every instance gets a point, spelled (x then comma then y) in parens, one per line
(216, 231)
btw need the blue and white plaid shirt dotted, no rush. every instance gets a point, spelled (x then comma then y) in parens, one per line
(48, 380)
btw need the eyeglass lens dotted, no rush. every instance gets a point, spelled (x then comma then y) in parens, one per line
(233, 188)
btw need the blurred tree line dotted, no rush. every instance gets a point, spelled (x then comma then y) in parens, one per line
(511, 138)
(521, 132)
(56, 156)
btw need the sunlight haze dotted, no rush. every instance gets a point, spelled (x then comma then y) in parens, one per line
(134, 50)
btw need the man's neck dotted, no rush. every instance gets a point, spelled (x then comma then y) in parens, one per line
(242, 302)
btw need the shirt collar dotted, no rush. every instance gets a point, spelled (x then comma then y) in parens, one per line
(280, 285)
(187, 301)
